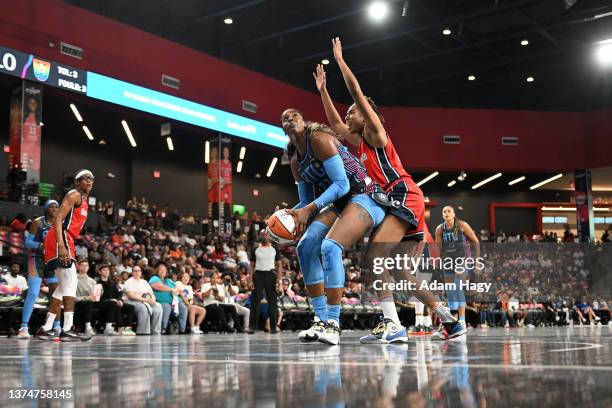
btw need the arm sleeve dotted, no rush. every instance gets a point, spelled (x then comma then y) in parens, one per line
(30, 243)
(306, 194)
(340, 184)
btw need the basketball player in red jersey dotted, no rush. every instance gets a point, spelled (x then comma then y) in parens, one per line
(406, 220)
(60, 256)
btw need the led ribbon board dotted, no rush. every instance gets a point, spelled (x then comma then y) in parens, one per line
(30, 67)
(161, 104)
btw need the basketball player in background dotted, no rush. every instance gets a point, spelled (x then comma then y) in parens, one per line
(34, 243)
(406, 218)
(454, 237)
(60, 257)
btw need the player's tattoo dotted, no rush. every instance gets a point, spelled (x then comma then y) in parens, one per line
(364, 217)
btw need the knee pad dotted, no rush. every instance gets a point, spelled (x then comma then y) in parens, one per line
(331, 253)
(309, 252)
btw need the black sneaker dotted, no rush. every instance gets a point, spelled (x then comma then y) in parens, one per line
(43, 334)
(72, 336)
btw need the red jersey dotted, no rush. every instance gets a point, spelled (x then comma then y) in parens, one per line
(76, 218)
(382, 163)
(72, 227)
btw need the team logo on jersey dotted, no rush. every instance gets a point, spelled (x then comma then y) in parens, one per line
(364, 157)
(83, 212)
(41, 69)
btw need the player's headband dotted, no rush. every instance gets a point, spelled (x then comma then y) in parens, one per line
(83, 173)
(49, 203)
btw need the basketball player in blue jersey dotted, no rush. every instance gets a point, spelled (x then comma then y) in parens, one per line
(454, 237)
(327, 173)
(34, 243)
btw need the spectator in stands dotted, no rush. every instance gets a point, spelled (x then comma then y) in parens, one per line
(15, 277)
(568, 236)
(138, 293)
(85, 298)
(585, 308)
(111, 307)
(196, 313)
(4, 224)
(211, 294)
(230, 290)
(19, 223)
(165, 291)
(126, 265)
(606, 235)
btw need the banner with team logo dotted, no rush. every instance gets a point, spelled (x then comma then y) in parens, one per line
(25, 131)
(220, 183)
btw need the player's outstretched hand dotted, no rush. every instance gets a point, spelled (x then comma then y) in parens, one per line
(337, 47)
(320, 78)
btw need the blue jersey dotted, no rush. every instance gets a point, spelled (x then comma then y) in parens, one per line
(35, 256)
(313, 172)
(454, 241)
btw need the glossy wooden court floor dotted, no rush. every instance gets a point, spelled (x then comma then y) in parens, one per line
(540, 367)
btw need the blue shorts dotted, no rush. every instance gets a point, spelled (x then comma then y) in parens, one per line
(377, 212)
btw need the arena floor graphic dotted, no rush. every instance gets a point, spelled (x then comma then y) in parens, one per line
(492, 367)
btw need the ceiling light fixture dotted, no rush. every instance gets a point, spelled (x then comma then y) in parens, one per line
(169, 143)
(271, 168)
(76, 112)
(525, 42)
(452, 183)
(426, 179)
(128, 132)
(378, 10)
(485, 181)
(447, 31)
(548, 180)
(228, 20)
(88, 133)
(516, 180)
(207, 152)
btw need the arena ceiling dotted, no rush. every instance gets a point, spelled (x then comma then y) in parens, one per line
(405, 60)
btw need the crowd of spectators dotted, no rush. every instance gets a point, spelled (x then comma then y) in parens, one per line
(175, 273)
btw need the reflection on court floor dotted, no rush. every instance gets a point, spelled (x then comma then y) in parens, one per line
(498, 367)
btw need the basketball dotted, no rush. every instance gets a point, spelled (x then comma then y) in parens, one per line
(281, 227)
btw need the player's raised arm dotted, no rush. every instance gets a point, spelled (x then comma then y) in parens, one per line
(374, 131)
(333, 117)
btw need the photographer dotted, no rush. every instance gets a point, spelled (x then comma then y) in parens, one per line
(230, 291)
(212, 297)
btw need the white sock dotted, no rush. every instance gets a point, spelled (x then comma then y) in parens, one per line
(389, 310)
(427, 320)
(87, 325)
(68, 318)
(444, 314)
(49, 321)
(418, 310)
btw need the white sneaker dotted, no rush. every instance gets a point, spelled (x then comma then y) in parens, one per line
(23, 333)
(394, 333)
(313, 333)
(90, 331)
(126, 331)
(331, 334)
(110, 331)
(196, 330)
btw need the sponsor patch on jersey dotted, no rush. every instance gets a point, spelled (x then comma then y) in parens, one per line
(364, 157)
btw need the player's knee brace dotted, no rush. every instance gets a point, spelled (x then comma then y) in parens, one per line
(309, 252)
(331, 253)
